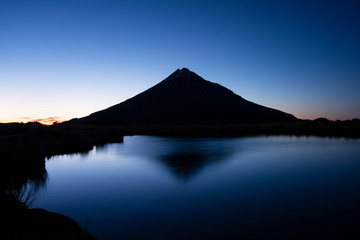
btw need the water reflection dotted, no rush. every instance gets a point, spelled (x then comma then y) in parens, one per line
(185, 165)
(102, 147)
(184, 158)
(29, 191)
(83, 154)
(241, 188)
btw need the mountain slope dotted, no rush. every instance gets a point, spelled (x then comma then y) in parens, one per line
(186, 98)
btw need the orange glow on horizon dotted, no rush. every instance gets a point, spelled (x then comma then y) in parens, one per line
(44, 121)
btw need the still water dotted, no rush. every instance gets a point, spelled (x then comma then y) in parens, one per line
(209, 188)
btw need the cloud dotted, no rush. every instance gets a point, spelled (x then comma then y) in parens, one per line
(49, 120)
(25, 118)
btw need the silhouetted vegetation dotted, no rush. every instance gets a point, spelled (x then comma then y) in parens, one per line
(23, 150)
(347, 129)
(20, 222)
(319, 127)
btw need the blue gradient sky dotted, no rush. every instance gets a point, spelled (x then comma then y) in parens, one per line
(68, 59)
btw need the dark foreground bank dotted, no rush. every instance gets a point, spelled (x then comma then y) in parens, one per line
(23, 151)
(20, 222)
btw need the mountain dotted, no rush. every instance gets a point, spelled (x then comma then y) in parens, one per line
(186, 98)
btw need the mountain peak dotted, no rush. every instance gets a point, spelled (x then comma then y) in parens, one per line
(182, 74)
(185, 98)
(184, 70)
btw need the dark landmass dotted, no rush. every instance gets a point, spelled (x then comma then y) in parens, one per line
(20, 222)
(320, 127)
(25, 146)
(23, 150)
(185, 98)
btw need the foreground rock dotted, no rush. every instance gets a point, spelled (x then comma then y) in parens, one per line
(19, 222)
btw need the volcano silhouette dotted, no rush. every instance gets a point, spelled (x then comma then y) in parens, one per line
(186, 98)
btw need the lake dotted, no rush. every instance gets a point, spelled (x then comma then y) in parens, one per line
(209, 188)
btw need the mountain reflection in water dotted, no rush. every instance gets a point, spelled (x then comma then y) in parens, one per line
(184, 158)
(185, 165)
(210, 188)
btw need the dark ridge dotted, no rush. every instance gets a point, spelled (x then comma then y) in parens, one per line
(185, 98)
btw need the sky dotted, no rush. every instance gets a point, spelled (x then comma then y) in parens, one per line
(66, 59)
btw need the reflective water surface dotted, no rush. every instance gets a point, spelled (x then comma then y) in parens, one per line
(209, 188)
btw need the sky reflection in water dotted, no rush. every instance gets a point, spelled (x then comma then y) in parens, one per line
(155, 187)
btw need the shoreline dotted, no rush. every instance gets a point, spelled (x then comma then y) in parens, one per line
(25, 147)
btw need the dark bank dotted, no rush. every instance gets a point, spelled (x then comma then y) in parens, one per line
(24, 149)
